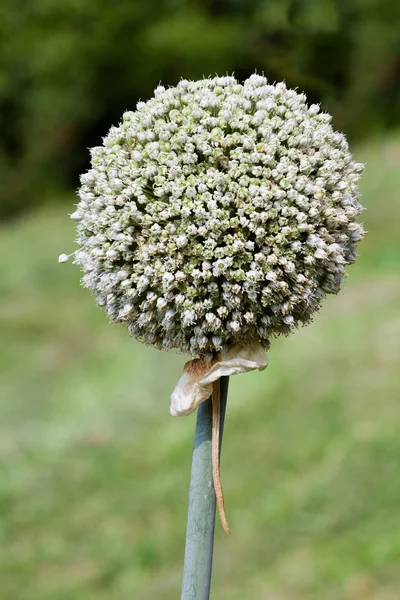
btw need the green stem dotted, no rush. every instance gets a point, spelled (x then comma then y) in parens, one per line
(201, 517)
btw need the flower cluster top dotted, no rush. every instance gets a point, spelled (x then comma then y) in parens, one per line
(218, 213)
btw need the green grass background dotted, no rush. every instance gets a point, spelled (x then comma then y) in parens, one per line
(94, 471)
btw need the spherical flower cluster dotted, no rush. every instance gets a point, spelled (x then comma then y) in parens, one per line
(218, 213)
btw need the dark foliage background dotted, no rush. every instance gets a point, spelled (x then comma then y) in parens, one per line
(69, 69)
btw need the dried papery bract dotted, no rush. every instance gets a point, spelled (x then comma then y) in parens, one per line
(200, 380)
(199, 375)
(215, 446)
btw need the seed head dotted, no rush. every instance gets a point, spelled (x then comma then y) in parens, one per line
(218, 213)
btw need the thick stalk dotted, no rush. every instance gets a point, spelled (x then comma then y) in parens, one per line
(201, 517)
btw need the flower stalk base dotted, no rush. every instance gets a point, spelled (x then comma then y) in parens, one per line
(202, 502)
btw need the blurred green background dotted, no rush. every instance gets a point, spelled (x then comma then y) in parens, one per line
(94, 472)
